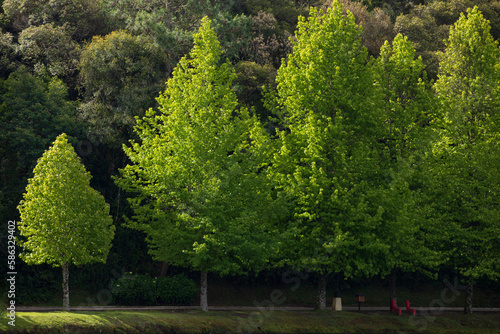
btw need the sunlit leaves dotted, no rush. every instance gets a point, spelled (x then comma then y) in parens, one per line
(202, 196)
(324, 91)
(468, 84)
(63, 220)
(406, 102)
(466, 158)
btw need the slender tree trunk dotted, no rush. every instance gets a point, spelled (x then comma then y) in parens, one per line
(321, 302)
(118, 196)
(393, 284)
(468, 298)
(163, 269)
(65, 286)
(203, 291)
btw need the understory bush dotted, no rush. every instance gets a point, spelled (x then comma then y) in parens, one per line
(175, 290)
(135, 289)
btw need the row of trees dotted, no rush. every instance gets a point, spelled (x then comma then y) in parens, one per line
(372, 170)
(56, 77)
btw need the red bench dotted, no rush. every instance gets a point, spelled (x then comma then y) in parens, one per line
(409, 310)
(394, 308)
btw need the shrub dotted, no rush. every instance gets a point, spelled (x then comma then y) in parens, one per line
(134, 289)
(175, 290)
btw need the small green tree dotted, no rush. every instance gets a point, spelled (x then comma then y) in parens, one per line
(202, 195)
(63, 220)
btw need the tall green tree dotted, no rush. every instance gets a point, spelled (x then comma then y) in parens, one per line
(466, 156)
(63, 220)
(406, 100)
(201, 193)
(325, 159)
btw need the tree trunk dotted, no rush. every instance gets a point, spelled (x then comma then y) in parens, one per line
(203, 291)
(163, 269)
(393, 285)
(65, 287)
(321, 302)
(468, 298)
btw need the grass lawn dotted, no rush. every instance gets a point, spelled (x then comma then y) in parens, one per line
(248, 322)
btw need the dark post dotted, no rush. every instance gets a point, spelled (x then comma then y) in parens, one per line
(360, 299)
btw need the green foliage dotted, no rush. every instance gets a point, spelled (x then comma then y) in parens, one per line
(407, 104)
(120, 74)
(63, 220)
(234, 34)
(176, 290)
(169, 25)
(145, 15)
(49, 50)
(8, 62)
(466, 156)
(200, 194)
(324, 161)
(134, 289)
(172, 25)
(33, 112)
(81, 18)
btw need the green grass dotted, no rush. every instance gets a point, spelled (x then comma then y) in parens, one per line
(233, 322)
